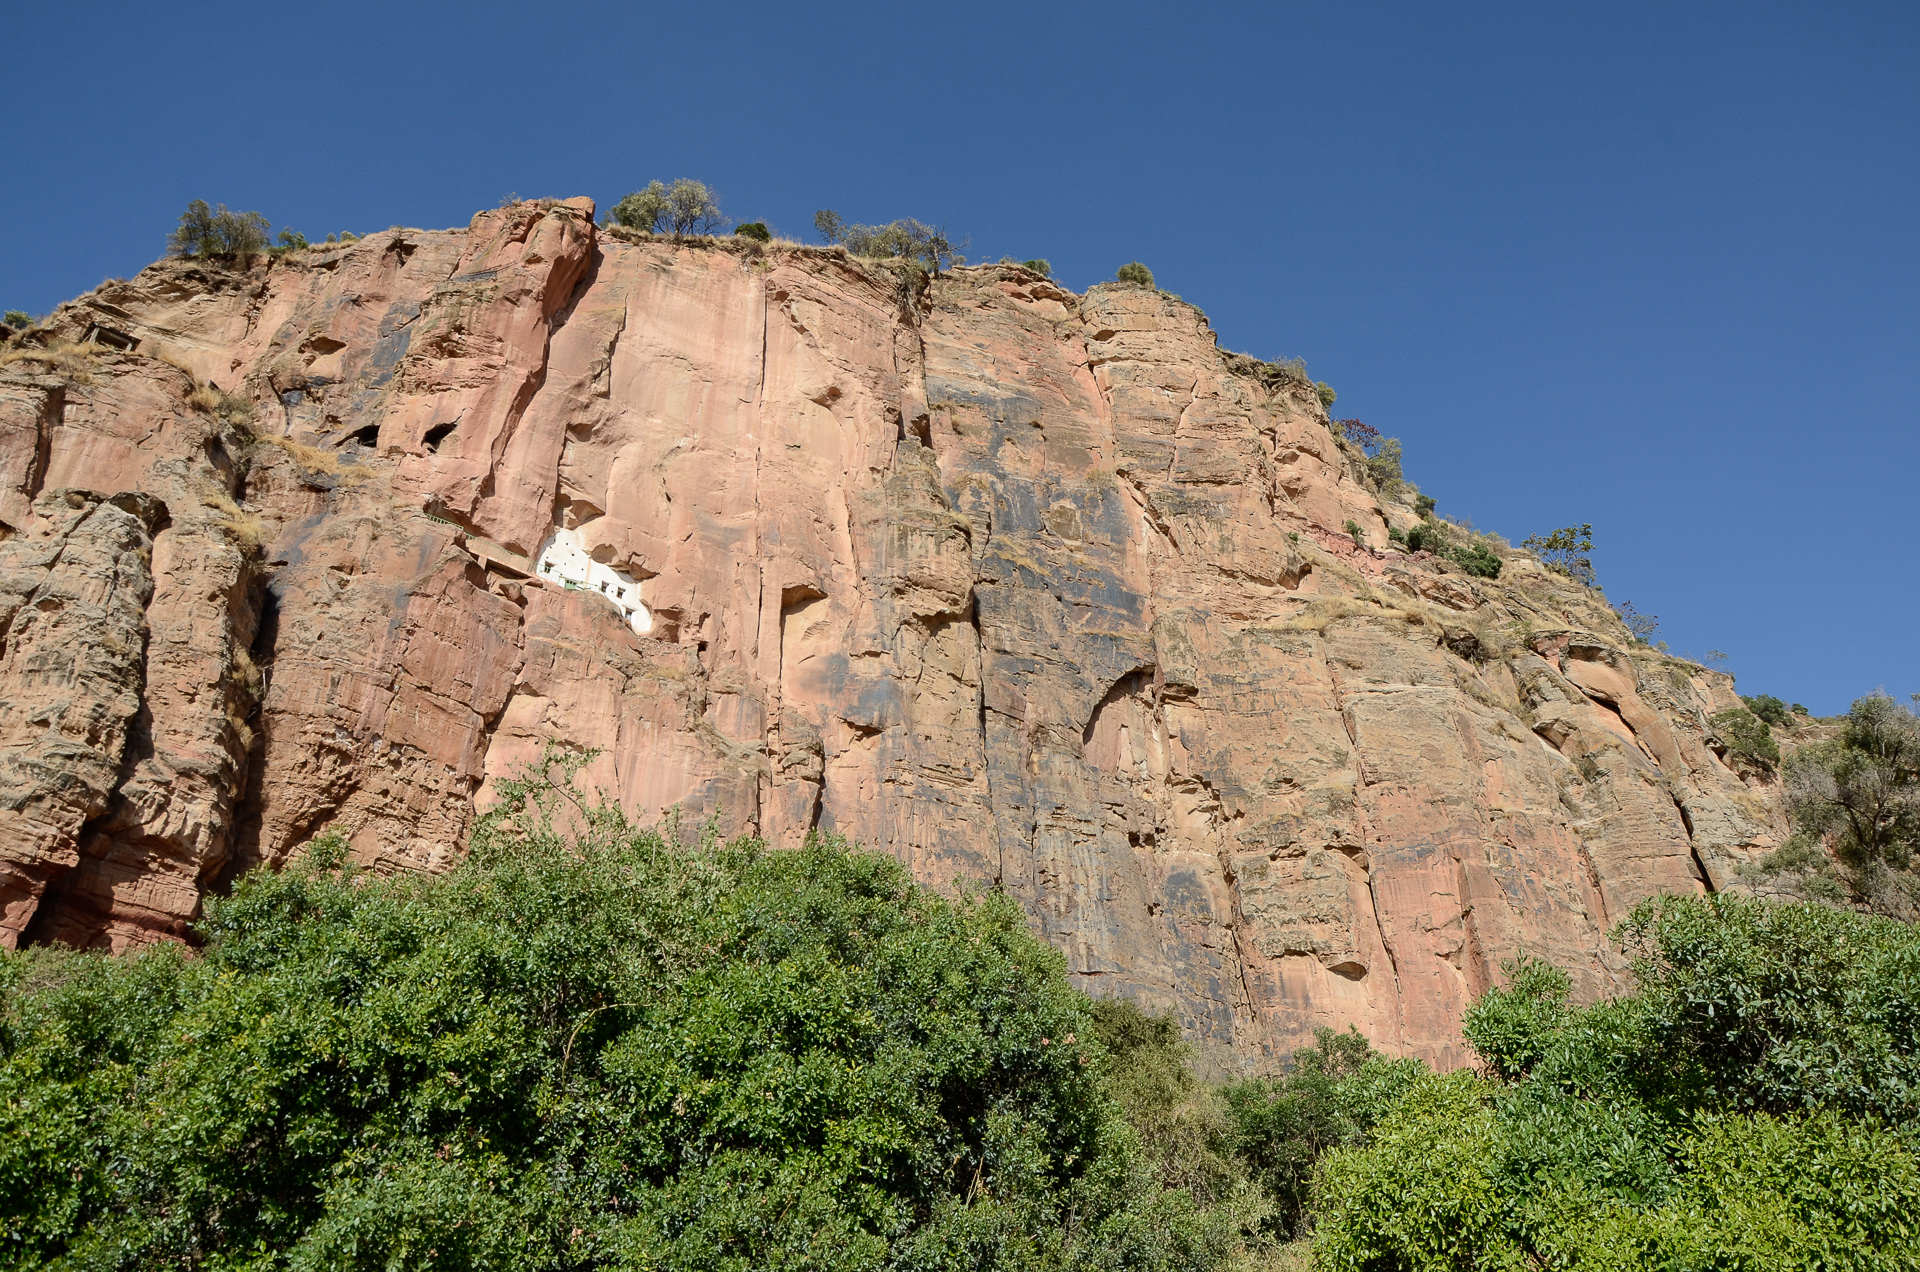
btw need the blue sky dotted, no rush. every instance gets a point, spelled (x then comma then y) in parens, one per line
(1649, 266)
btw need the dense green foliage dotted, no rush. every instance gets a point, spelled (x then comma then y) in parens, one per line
(1755, 1105)
(1039, 265)
(1135, 273)
(755, 230)
(19, 319)
(1747, 736)
(217, 234)
(1768, 708)
(1333, 1095)
(590, 1049)
(1473, 556)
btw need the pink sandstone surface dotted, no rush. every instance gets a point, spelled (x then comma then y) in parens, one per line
(1030, 589)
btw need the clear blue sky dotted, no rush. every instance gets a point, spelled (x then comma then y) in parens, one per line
(1651, 266)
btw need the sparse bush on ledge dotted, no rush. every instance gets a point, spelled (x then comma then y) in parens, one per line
(685, 207)
(1135, 273)
(1567, 551)
(217, 234)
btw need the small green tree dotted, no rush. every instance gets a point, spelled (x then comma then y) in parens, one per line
(1860, 795)
(1355, 533)
(922, 246)
(1325, 393)
(19, 319)
(217, 234)
(1038, 265)
(691, 208)
(1567, 550)
(755, 230)
(1768, 708)
(1384, 465)
(827, 223)
(1135, 273)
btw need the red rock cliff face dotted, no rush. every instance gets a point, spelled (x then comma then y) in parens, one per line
(1025, 587)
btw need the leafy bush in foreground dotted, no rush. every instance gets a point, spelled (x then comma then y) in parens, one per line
(583, 1049)
(1756, 1105)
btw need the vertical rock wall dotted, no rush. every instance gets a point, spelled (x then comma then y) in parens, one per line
(1031, 589)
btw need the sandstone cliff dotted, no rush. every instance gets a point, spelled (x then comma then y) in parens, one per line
(1029, 588)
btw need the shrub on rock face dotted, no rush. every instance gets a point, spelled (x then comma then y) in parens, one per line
(1039, 266)
(1568, 550)
(1135, 273)
(1477, 559)
(1768, 708)
(755, 230)
(1747, 736)
(19, 319)
(1325, 392)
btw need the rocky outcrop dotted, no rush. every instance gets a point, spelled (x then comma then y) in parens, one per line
(1034, 590)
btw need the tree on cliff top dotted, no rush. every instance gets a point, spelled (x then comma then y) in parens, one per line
(217, 234)
(685, 207)
(588, 1047)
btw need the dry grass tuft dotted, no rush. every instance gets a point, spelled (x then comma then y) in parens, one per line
(246, 529)
(1323, 613)
(318, 459)
(63, 357)
(230, 407)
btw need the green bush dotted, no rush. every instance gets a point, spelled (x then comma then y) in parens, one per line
(1424, 505)
(19, 319)
(1384, 465)
(216, 234)
(1568, 550)
(1746, 735)
(594, 1048)
(292, 240)
(1038, 265)
(685, 207)
(924, 247)
(1860, 793)
(1477, 559)
(755, 230)
(1136, 273)
(1325, 393)
(1333, 1095)
(1751, 1106)
(1768, 708)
